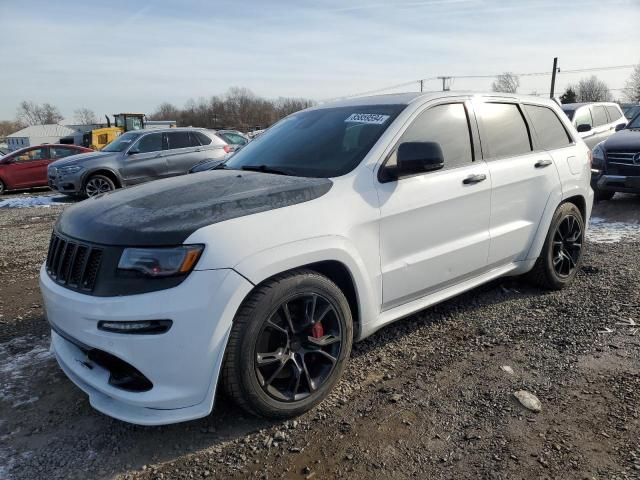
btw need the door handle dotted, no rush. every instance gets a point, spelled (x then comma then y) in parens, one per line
(474, 179)
(542, 163)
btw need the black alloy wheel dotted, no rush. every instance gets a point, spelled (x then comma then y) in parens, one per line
(298, 347)
(289, 344)
(567, 246)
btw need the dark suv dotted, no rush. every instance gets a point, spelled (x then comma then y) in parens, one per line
(616, 163)
(136, 157)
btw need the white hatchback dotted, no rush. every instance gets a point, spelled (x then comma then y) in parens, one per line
(339, 219)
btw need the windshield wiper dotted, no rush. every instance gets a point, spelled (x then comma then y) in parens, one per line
(266, 169)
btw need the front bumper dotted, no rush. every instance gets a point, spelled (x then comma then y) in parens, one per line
(615, 183)
(69, 184)
(182, 364)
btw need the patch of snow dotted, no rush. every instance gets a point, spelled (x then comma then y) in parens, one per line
(603, 231)
(43, 201)
(21, 359)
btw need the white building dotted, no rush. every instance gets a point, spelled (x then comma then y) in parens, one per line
(39, 134)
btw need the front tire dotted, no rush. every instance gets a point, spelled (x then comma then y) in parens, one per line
(289, 345)
(562, 252)
(98, 184)
(2, 187)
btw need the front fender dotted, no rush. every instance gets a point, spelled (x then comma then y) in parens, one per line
(267, 263)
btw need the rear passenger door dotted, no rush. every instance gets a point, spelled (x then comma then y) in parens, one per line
(522, 179)
(184, 151)
(434, 226)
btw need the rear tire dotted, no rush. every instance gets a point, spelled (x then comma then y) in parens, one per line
(562, 252)
(98, 184)
(289, 345)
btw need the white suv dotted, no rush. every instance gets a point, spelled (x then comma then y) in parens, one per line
(336, 221)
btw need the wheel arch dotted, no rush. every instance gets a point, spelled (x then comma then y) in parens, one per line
(580, 202)
(107, 172)
(340, 264)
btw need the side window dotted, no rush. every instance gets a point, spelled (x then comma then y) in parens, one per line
(204, 139)
(178, 140)
(61, 152)
(505, 131)
(599, 115)
(549, 129)
(614, 113)
(150, 143)
(447, 125)
(583, 117)
(35, 154)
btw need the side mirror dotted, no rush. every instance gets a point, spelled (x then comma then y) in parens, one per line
(620, 126)
(584, 127)
(418, 157)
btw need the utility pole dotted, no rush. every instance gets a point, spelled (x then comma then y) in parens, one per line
(445, 86)
(421, 85)
(553, 76)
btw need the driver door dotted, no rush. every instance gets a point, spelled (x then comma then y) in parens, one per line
(434, 226)
(144, 161)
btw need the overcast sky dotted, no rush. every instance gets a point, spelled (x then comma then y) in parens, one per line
(130, 56)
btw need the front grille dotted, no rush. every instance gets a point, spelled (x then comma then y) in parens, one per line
(73, 264)
(622, 158)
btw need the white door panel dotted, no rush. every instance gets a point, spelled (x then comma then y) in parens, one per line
(521, 187)
(433, 230)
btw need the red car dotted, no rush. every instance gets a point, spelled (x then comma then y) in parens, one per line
(27, 167)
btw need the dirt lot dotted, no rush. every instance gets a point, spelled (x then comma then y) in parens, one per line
(424, 398)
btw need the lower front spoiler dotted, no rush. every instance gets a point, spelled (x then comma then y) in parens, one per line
(62, 349)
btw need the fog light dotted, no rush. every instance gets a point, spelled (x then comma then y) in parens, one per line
(146, 327)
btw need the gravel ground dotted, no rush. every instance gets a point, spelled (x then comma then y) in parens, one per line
(427, 397)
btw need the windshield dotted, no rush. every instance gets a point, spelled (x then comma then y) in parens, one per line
(632, 112)
(122, 142)
(323, 143)
(635, 121)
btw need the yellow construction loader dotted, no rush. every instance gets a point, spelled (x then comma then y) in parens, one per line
(98, 138)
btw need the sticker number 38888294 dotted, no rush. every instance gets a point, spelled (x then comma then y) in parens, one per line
(370, 118)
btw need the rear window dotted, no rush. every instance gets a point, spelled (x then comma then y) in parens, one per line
(178, 140)
(505, 131)
(599, 115)
(548, 127)
(614, 113)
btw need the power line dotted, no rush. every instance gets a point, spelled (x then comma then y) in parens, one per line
(421, 81)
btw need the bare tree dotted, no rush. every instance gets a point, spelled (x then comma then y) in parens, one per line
(592, 89)
(632, 90)
(9, 127)
(506, 83)
(85, 116)
(30, 113)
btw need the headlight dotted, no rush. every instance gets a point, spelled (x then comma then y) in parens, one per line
(598, 155)
(69, 169)
(161, 262)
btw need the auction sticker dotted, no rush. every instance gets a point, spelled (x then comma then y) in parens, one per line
(370, 118)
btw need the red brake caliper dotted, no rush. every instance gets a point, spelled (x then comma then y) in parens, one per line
(317, 330)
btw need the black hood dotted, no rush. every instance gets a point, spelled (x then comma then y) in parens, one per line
(627, 140)
(166, 212)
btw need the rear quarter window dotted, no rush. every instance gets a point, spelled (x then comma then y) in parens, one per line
(204, 139)
(549, 130)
